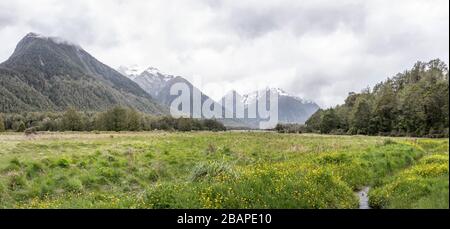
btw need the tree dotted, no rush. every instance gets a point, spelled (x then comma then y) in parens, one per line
(279, 128)
(385, 109)
(134, 120)
(412, 117)
(329, 121)
(360, 117)
(72, 120)
(20, 126)
(313, 123)
(2, 124)
(414, 102)
(184, 124)
(213, 125)
(116, 119)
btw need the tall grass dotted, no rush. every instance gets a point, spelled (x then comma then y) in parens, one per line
(217, 170)
(423, 185)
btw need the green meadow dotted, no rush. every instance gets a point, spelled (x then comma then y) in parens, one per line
(220, 170)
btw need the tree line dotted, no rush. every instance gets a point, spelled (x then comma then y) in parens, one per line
(412, 103)
(114, 119)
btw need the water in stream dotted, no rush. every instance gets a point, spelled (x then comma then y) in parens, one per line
(363, 195)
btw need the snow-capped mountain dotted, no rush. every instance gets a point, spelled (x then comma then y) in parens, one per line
(253, 96)
(131, 72)
(291, 109)
(152, 80)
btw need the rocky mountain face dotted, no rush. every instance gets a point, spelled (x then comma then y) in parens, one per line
(51, 74)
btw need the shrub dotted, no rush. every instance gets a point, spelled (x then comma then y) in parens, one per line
(73, 185)
(63, 163)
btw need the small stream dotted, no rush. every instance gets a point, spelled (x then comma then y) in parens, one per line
(363, 195)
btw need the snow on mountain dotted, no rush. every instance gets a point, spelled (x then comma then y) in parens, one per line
(153, 71)
(253, 96)
(292, 109)
(131, 71)
(151, 79)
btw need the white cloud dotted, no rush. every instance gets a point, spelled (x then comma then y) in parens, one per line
(320, 50)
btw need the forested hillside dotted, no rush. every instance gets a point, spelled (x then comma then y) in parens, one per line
(412, 103)
(50, 74)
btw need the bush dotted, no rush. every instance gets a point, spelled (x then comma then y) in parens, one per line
(291, 128)
(63, 163)
(73, 185)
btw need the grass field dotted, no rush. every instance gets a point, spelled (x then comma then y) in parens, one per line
(220, 170)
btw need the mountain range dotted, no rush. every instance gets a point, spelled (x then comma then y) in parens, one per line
(292, 109)
(52, 74)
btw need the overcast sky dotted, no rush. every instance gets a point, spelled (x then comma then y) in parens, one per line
(318, 50)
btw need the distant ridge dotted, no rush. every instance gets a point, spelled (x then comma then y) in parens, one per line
(292, 109)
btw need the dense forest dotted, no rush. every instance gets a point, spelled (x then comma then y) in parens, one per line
(114, 119)
(412, 103)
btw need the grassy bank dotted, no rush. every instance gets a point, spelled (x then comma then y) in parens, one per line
(206, 170)
(423, 185)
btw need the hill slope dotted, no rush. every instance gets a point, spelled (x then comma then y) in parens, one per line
(47, 73)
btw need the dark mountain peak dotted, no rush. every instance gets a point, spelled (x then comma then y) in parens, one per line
(32, 34)
(64, 75)
(32, 40)
(38, 51)
(53, 39)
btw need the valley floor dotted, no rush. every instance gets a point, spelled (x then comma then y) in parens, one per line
(220, 170)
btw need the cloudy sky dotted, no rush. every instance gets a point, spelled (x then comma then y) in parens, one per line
(315, 49)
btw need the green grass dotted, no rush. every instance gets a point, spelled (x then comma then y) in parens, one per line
(424, 185)
(219, 170)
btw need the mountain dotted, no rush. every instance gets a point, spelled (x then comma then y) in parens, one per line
(158, 85)
(51, 74)
(150, 79)
(131, 71)
(291, 109)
